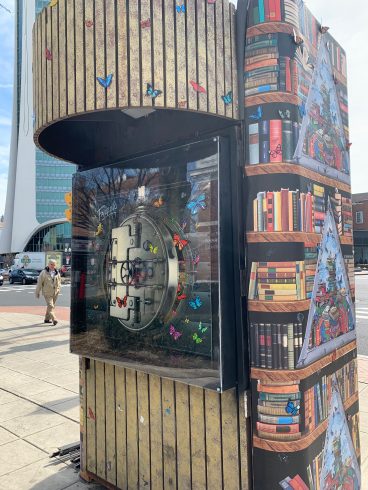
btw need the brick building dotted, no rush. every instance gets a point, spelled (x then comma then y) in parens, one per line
(360, 220)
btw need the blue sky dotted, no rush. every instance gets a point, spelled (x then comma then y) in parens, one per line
(347, 24)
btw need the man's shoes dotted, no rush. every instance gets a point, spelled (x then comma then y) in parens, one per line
(47, 321)
(55, 322)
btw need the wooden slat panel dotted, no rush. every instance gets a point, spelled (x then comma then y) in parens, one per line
(100, 420)
(43, 66)
(144, 430)
(110, 424)
(70, 56)
(244, 436)
(235, 109)
(134, 53)
(62, 58)
(211, 59)
(227, 57)
(91, 417)
(169, 434)
(157, 481)
(170, 71)
(201, 53)
(158, 52)
(146, 48)
(89, 41)
(181, 61)
(55, 61)
(198, 446)
(79, 55)
(220, 76)
(100, 53)
(183, 436)
(122, 47)
(121, 429)
(192, 54)
(132, 429)
(49, 63)
(111, 52)
(230, 443)
(83, 412)
(213, 439)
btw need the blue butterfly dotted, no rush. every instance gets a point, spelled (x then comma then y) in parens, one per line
(228, 98)
(291, 408)
(302, 110)
(180, 8)
(195, 303)
(197, 204)
(151, 92)
(257, 116)
(105, 82)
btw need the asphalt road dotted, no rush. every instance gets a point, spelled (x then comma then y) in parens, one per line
(18, 295)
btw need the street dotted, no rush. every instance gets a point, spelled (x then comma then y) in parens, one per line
(19, 295)
(361, 310)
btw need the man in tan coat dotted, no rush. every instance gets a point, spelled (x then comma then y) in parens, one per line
(49, 283)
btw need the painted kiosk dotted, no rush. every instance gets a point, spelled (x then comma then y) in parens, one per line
(211, 240)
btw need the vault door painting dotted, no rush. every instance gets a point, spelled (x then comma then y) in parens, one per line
(148, 232)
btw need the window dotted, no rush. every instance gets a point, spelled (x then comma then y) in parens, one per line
(359, 217)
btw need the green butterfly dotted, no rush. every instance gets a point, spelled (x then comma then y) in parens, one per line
(197, 339)
(153, 249)
(202, 329)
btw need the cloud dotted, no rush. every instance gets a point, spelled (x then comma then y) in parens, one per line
(6, 85)
(5, 121)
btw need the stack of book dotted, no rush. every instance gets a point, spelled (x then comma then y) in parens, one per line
(287, 210)
(310, 262)
(338, 57)
(278, 411)
(264, 11)
(349, 264)
(276, 345)
(261, 64)
(296, 483)
(347, 216)
(308, 25)
(291, 13)
(317, 398)
(319, 208)
(267, 281)
(314, 472)
(336, 204)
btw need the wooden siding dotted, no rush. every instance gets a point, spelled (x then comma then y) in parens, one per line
(142, 431)
(138, 43)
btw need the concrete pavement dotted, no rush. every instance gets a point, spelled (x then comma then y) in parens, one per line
(39, 402)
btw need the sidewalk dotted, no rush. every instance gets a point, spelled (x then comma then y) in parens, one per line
(39, 402)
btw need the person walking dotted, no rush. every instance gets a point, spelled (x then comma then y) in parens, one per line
(49, 284)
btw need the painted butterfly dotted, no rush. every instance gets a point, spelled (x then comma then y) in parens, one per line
(105, 82)
(302, 110)
(197, 204)
(276, 151)
(285, 114)
(298, 40)
(211, 1)
(348, 145)
(174, 333)
(95, 307)
(153, 249)
(88, 23)
(228, 98)
(324, 29)
(256, 116)
(151, 92)
(179, 292)
(195, 303)
(179, 242)
(157, 203)
(197, 87)
(53, 3)
(196, 338)
(145, 23)
(180, 8)
(122, 302)
(99, 230)
(91, 415)
(48, 54)
(196, 260)
(186, 320)
(182, 104)
(291, 408)
(201, 328)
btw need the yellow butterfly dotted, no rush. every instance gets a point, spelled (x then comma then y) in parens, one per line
(186, 320)
(99, 230)
(153, 249)
(53, 3)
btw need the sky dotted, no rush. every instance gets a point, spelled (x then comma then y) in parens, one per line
(347, 22)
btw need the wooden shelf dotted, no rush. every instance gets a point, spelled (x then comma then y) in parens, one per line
(290, 236)
(272, 97)
(265, 375)
(270, 27)
(291, 168)
(304, 442)
(279, 306)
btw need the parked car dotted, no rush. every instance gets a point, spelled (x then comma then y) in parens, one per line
(1, 279)
(24, 276)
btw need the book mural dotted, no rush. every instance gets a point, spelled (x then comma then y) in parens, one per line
(300, 257)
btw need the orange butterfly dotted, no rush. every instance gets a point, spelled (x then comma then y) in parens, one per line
(89, 23)
(178, 242)
(122, 302)
(158, 202)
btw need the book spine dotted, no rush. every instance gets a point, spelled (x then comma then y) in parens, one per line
(284, 209)
(287, 74)
(253, 144)
(262, 345)
(290, 328)
(276, 140)
(265, 142)
(268, 346)
(270, 206)
(284, 346)
(279, 347)
(287, 140)
(274, 347)
(261, 10)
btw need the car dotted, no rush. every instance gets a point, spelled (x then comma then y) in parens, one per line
(24, 276)
(1, 279)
